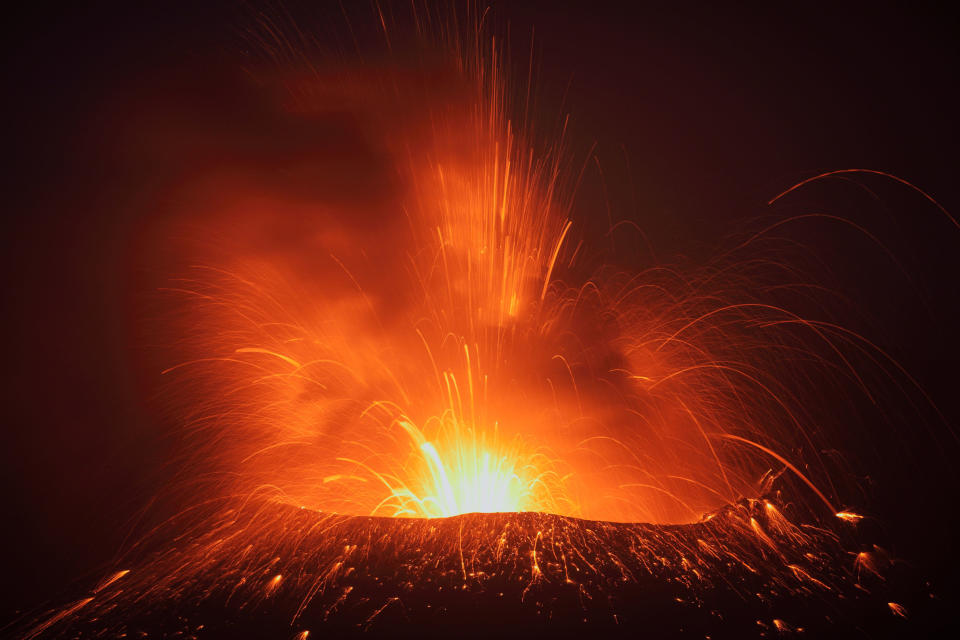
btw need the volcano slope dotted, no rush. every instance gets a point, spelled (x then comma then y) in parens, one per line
(264, 569)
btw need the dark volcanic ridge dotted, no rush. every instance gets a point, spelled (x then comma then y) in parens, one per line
(271, 570)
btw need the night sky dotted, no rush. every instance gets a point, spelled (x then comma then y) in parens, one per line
(697, 116)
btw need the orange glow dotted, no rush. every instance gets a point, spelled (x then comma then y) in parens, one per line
(466, 474)
(442, 367)
(429, 344)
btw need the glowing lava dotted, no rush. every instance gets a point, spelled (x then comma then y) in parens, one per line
(464, 472)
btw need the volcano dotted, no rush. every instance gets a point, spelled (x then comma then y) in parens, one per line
(396, 361)
(269, 570)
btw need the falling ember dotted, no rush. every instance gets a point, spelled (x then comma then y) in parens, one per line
(413, 399)
(783, 627)
(867, 562)
(849, 516)
(111, 579)
(273, 584)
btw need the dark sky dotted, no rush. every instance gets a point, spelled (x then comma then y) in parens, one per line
(699, 116)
